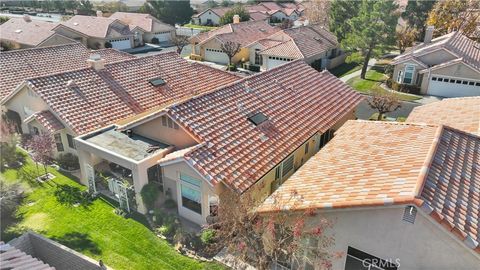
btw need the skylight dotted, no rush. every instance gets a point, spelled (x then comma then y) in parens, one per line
(257, 118)
(157, 81)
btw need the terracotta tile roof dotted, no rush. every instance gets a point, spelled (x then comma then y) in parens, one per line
(123, 89)
(267, 42)
(15, 259)
(286, 49)
(258, 16)
(243, 33)
(141, 20)
(220, 11)
(18, 65)
(30, 33)
(100, 27)
(459, 113)
(271, 5)
(47, 120)
(378, 163)
(298, 102)
(455, 42)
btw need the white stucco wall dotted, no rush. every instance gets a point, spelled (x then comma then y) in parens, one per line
(381, 232)
(209, 15)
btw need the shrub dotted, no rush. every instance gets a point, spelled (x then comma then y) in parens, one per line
(208, 236)
(254, 68)
(155, 40)
(405, 88)
(149, 194)
(167, 230)
(170, 204)
(317, 64)
(231, 67)
(108, 44)
(119, 211)
(68, 161)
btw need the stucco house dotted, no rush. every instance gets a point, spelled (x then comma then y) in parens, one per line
(22, 33)
(104, 88)
(146, 27)
(312, 43)
(247, 136)
(207, 45)
(447, 66)
(97, 32)
(400, 196)
(210, 16)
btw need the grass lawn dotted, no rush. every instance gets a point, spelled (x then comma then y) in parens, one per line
(345, 69)
(202, 27)
(93, 229)
(373, 79)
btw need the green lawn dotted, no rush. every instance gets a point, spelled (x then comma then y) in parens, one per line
(345, 69)
(372, 80)
(93, 229)
(201, 27)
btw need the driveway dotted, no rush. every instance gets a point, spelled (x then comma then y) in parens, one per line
(364, 111)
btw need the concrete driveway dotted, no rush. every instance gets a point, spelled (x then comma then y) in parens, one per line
(364, 111)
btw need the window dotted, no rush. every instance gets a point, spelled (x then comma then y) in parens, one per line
(71, 142)
(168, 122)
(278, 172)
(191, 195)
(287, 165)
(359, 260)
(306, 148)
(409, 214)
(399, 76)
(154, 175)
(58, 142)
(326, 137)
(164, 121)
(258, 57)
(409, 70)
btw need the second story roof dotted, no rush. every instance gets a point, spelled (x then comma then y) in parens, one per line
(18, 65)
(87, 99)
(99, 27)
(27, 31)
(460, 113)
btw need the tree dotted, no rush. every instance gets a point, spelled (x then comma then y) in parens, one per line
(41, 146)
(3, 19)
(237, 10)
(373, 30)
(230, 48)
(8, 143)
(340, 13)
(383, 101)
(115, 6)
(169, 11)
(455, 15)
(85, 5)
(279, 236)
(405, 37)
(317, 12)
(180, 42)
(416, 14)
(226, 3)
(212, 4)
(9, 197)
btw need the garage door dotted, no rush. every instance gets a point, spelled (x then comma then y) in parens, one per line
(274, 61)
(163, 36)
(216, 56)
(453, 87)
(121, 44)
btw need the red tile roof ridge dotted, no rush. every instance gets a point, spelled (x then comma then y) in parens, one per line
(396, 123)
(43, 47)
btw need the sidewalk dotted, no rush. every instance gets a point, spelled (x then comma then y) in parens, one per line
(347, 77)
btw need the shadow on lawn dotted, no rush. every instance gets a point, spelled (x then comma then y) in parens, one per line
(70, 195)
(79, 242)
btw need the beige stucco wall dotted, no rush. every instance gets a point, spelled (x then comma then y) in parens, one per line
(71, 34)
(214, 44)
(55, 39)
(91, 42)
(381, 232)
(436, 57)
(156, 131)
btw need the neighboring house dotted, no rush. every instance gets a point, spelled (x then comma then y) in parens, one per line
(447, 66)
(99, 93)
(207, 46)
(399, 195)
(97, 32)
(146, 27)
(248, 136)
(21, 33)
(25, 110)
(459, 113)
(210, 16)
(312, 43)
(33, 251)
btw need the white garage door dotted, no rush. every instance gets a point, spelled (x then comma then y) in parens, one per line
(274, 61)
(216, 56)
(163, 36)
(453, 87)
(121, 44)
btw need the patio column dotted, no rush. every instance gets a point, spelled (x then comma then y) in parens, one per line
(84, 159)
(139, 175)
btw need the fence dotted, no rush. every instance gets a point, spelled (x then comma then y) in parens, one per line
(189, 32)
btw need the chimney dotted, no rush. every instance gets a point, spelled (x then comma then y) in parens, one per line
(99, 13)
(96, 62)
(236, 18)
(428, 34)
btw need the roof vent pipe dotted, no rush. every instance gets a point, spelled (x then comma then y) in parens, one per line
(429, 34)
